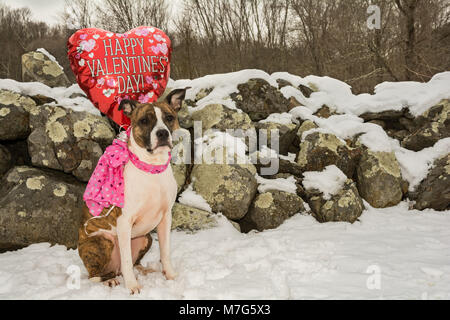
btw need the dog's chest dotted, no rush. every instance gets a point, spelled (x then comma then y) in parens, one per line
(147, 197)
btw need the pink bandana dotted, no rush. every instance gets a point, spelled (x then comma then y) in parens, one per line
(106, 185)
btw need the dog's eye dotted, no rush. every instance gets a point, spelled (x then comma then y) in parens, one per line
(170, 118)
(143, 121)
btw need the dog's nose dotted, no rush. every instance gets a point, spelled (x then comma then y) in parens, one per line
(162, 134)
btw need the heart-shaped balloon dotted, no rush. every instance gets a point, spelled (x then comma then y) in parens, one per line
(110, 67)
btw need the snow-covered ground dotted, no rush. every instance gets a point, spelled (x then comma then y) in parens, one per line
(389, 254)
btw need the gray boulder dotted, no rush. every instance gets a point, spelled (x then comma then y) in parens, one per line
(270, 210)
(69, 141)
(346, 205)
(320, 150)
(287, 134)
(191, 219)
(38, 67)
(435, 126)
(14, 115)
(259, 99)
(379, 179)
(39, 206)
(229, 189)
(434, 191)
(217, 116)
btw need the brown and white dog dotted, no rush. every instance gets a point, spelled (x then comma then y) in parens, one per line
(117, 240)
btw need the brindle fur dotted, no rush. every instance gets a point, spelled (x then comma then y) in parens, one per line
(95, 251)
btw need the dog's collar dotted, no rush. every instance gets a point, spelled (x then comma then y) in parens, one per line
(150, 168)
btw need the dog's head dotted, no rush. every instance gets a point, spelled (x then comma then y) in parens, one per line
(153, 123)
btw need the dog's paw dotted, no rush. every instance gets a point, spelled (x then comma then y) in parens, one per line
(134, 287)
(111, 282)
(170, 275)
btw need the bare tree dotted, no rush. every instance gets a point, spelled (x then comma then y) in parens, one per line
(123, 15)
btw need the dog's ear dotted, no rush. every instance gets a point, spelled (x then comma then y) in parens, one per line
(127, 106)
(175, 98)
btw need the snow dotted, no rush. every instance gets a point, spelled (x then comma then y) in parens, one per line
(50, 56)
(192, 199)
(281, 184)
(407, 250)
(280, 118)
(60, 94)
(329, 181)
(416, 165)
(211, 148)
(418, 97)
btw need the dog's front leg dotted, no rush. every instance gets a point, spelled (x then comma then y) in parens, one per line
(163, 230)
(126, 263)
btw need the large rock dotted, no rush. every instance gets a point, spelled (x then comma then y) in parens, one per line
(38, 67)
(229, 189)
(379, 179)
(5, 160)
(217, 116)
(287, 134)
(434, 191)
(14, 115)
(345, 205)
(191, 219)
(259, 99)
(69, 141)
(39, 206)
(270, 210)
(320, 150)
(435, 126)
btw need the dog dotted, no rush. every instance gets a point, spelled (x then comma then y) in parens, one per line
(116, 240)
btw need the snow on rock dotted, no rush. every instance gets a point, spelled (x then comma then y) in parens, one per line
(302, 259)
(192, 199)
(211, 148)
(50, 56)
(280, 118)
(416, 96)
(329, 181)
(281, 184)
(60, 94)
(416, 165)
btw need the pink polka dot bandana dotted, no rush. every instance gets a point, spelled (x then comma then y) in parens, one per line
(106, 185)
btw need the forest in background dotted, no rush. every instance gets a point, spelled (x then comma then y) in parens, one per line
(302, 37)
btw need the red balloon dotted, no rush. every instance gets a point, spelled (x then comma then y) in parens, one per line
(110, 67)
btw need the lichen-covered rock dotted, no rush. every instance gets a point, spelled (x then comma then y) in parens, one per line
(180, 173)
(39, 206)
(379, 179)
(345, 205)
(69, 141)
(5, 160)
(319, 150)
(434, 191)
(287, 134)
(270, 210)
(191, 219)
(305, 126)
(229, 189)
(14, 115)
(217, 116)
(436, 126)
(38, 67)
(259, 99)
